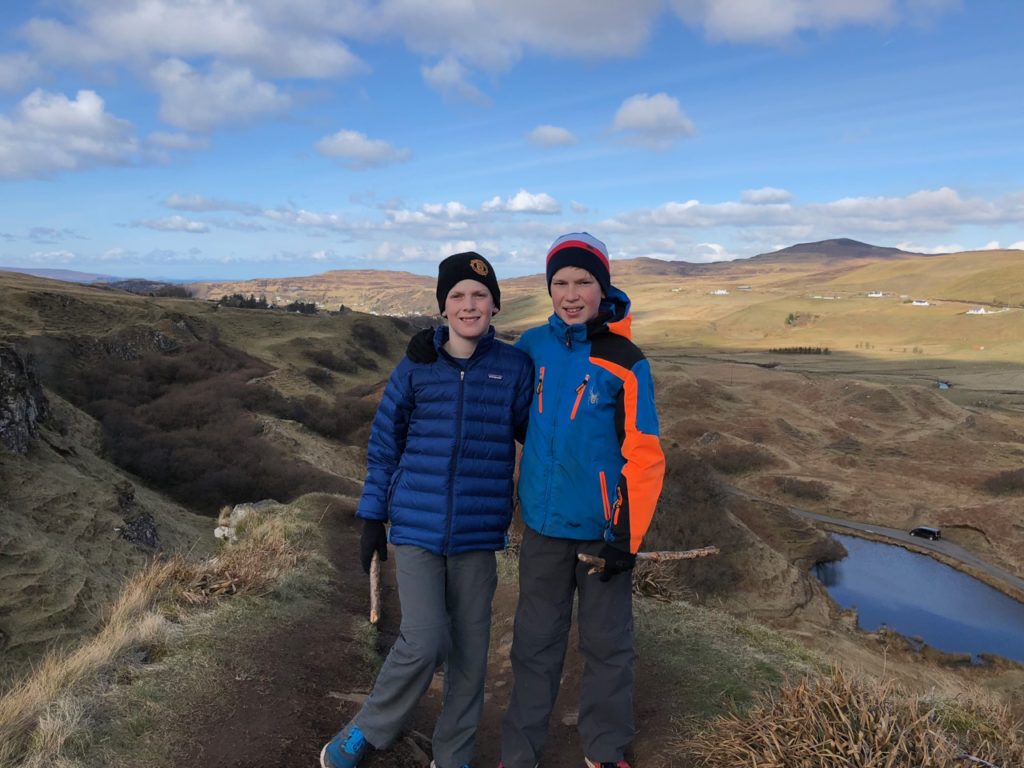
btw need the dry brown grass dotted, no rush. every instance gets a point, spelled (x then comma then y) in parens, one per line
(251, 567)
(40, 713)
(30, 710)
(656, 580)
(837, 720)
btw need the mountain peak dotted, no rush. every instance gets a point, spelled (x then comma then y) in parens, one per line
(839, 248)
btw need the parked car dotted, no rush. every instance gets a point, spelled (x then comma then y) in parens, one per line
(926, 532)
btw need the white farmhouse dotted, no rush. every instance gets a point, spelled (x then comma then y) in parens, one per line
(719, 292)
(875, 295)
(920, 303)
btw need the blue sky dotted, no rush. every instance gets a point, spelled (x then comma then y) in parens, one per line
(231, 139)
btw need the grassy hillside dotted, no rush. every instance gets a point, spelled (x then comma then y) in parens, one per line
(162, 410)
(239, 400)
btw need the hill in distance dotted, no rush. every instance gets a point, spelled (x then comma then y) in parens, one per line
(831, 250)
(65, 275)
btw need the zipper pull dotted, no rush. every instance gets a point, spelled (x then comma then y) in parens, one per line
(579, 396)
(540, 391)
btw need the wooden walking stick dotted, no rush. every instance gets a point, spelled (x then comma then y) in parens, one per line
(597, 563)
(375, 590)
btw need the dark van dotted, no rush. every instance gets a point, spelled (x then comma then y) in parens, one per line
(926, 532)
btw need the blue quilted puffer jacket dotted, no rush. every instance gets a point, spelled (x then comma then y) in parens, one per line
(442, 448)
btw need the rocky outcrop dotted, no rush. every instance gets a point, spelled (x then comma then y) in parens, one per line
(231, 517)
(139, 526)
(23, 405)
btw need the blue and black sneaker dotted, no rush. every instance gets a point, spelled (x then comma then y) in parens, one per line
(345, 750)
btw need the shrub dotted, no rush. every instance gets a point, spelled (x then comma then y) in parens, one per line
(1010, 481)
(369, 337)
(735, 459)
(803, 489)
(186, 424)
(319, 376)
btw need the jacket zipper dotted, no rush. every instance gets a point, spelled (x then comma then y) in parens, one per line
(604, 497)
(454, 463)
(540, 391)
(579, 396)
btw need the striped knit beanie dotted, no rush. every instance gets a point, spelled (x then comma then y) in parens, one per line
(583, 250)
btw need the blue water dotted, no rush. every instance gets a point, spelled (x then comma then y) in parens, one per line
(918, 596)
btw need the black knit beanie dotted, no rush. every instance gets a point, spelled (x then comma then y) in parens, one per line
(465, 266)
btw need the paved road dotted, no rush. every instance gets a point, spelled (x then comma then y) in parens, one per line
(946, 551)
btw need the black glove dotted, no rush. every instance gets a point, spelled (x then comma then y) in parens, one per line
(373, 539)
(420, 348)
(616, 561)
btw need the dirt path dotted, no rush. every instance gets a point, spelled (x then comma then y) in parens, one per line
(314, 679)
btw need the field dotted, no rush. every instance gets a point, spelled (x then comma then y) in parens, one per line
(864, 433)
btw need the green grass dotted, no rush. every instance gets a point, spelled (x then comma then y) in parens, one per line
(712, 661)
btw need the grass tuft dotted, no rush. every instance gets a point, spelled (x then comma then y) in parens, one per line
(839, 720)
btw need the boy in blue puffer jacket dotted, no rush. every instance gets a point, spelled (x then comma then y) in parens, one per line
(439, 468)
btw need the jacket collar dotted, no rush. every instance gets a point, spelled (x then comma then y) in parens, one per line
(441, 336)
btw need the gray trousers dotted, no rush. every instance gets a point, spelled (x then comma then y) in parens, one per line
(446, 618)
(549, 575)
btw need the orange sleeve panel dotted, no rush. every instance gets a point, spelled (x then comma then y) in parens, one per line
(644, 470)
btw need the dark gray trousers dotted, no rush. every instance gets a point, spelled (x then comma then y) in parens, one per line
(446, 618)
(549, 576)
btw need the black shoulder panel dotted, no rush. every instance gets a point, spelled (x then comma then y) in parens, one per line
(615, 349)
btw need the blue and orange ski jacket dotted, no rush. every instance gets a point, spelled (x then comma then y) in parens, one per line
(592, 465)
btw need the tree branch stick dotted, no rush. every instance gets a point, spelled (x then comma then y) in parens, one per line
(375, 589)
(597, 563)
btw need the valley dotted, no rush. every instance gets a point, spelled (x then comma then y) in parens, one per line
(914, 417)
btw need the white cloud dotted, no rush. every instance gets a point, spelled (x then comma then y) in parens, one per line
(311, 219)
(195, 102)
(449, 78)
(931, 210)
(551, 136)
(48, 132)
(708, 252)
(359, 152)
(450, 210)
(1017, 246)
(202, 203)
(654, 121)
(175, 224)
(775, 21)
(932, 249)
(177, 141)
(52, 257)
(578, 207)
(494, 35)
(259, 34)
(765, 195)
(16, 69)
(524, 202)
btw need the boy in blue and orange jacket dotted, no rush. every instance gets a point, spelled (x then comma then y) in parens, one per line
(590, 477)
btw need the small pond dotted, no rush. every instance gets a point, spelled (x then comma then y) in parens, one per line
(918, 596)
